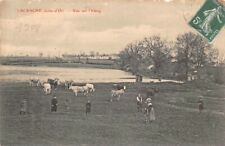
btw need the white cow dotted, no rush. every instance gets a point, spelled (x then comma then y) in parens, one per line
(79, 89)
(116, 93)
(41, 83)
(47, 88)
(91, 87)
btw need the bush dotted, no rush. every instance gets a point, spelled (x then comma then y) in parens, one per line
(219, 76)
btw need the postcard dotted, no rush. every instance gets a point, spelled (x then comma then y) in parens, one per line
(112, 72)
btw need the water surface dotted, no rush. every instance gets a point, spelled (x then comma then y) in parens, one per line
(92, 75)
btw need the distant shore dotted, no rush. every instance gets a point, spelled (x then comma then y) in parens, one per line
(68, 65)
(59, 62)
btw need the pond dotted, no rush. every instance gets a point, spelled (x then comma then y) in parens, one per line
(91, 75)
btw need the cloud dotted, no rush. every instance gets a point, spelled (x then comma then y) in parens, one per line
(109, 32)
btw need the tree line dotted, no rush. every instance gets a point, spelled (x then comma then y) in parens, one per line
(153, 56)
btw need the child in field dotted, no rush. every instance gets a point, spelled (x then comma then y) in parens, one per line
(200, 104)
(67, 104)
(139, 102)
(149, 111)
(88, 107)
(54, 103)
(152, 113)
(23, 107)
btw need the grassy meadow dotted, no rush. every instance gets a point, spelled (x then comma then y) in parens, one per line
(178, 122)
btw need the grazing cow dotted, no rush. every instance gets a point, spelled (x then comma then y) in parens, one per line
(67, 84)
(47, 88)
(150, 93)
(78, 84)
(119, 86)
(34, 82)
(91, 87)
(54, 82)
(79, 89)
(41, 83)
(72, 83)
(116, 93)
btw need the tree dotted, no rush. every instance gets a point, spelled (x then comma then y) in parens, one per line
(149, 51)
(219, 76)
(193, 52)
(141, 54)
(131, 57)
(157, 52)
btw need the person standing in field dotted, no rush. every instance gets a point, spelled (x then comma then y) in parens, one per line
(152, 113)
(88, 107)
(24, 107)
(139, 102)
(67, 104)
(149, 112)
(54, 104)
(200, 104)
(148, 100)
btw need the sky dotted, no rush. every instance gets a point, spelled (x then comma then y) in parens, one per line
(104, 26)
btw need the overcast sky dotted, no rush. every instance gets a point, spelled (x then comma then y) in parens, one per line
(115, 24)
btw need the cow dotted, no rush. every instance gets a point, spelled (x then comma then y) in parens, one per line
(34, 82)
(150, 93)
(116, 93)
(79, 89)
(119, 86)
(47, 88)
(54, 82)
(91, 87)
(67, 84)
(41, 83)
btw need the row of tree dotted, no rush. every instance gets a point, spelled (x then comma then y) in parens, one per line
(153, 55)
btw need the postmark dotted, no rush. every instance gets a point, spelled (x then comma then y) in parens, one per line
(209, 20)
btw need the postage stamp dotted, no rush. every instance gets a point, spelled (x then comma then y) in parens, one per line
(210, 19)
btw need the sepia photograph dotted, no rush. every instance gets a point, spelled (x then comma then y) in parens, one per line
(112, 73)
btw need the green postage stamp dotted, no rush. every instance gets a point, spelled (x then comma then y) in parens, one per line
(209, 20)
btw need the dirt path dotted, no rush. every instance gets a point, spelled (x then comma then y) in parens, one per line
(190, 109)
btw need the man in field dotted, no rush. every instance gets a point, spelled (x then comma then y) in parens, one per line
(200, 104)
(139, 102)
(54, 103)
(88, 107)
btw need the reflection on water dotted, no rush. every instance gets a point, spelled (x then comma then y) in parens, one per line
(92, 75)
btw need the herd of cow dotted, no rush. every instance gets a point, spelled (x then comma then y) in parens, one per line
(76, 88)
(144, 105)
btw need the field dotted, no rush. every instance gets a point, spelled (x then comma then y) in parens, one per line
(178, 122)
